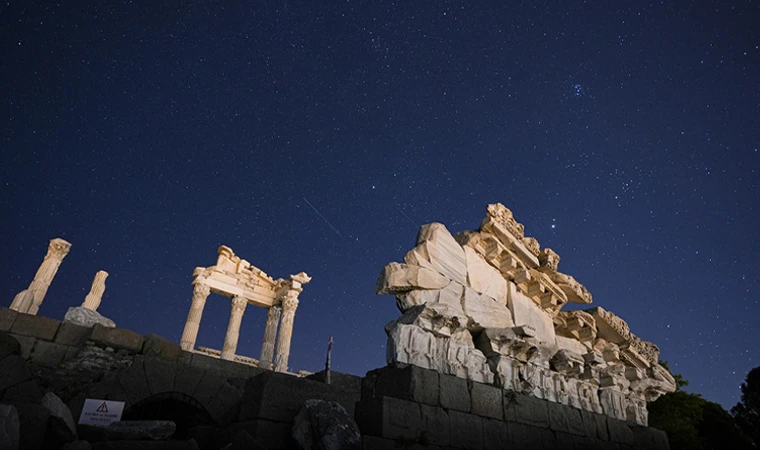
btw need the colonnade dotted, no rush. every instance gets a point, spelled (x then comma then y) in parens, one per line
(280, 315)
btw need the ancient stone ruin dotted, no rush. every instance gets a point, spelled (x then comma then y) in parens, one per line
(483, 357)
(29, 300)
(246, 284)
(486, 306)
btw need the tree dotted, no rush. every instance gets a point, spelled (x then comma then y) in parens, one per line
(747, 411)
(694, 423)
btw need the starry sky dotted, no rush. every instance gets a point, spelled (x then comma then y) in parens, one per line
(319, 137)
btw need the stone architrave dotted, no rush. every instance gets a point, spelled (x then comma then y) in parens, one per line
(270, 334)
(92, 301)
(57, 250)
(289, 305)
(233, 328)
(190, 334)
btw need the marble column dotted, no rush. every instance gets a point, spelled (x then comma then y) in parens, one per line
(270, 334)
(289, 305)
(57, 250)
(190, 334)
(233, 328)
(92, 301)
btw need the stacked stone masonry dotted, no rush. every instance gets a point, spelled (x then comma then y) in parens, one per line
(485, 306)
(411, 407)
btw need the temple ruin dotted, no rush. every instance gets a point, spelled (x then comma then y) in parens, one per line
(486, 306)
(245, 284)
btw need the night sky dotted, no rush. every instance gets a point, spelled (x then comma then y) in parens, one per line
(318, 138)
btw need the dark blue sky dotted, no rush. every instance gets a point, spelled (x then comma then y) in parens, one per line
(625, 137)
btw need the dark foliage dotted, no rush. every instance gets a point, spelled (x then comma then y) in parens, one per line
(747, 411)
(694, 423)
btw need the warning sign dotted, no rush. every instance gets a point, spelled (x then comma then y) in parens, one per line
(101, 412)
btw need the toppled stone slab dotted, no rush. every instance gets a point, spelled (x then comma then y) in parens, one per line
(62, 424)
(397, 278)
(325, 425)
(129, 430)
(85, 317)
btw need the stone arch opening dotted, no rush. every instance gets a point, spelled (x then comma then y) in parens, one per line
(180, 408)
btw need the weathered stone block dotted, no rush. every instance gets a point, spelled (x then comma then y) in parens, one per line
(186, 378)
(595, 425)
(526, 409)
(525, 436)
(160, 374)
(7, 317)
(487, 401)
(133, 382)
(390, 418)
(155, 345)
(565, 418)
(619, 431)
(48, 354)
(118, 338)
(225, 405)
(453, 393)
(35, 326)
(435, 425)
(466, 430)
(404, 381)
(71, 353)
(13, 371)
(26, 343)
(72, 334)
(649, 438)
(273, 434)
(279, 397)
(208, 387)
(8, 345)
(24, 392)
(495, 434)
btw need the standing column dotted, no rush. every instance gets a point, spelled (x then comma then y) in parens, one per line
(270, 334)
(190, 334)
(289, 305)
(57, 250)
(233, 328)
(92, 301)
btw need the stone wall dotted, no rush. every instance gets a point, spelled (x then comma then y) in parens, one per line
(405, 406)
(399, 406)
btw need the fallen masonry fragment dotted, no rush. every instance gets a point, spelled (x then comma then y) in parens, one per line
(486, 306)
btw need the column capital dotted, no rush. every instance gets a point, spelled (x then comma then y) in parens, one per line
(289, 303)
(238, 303)
(201, 290)
(58, 249)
